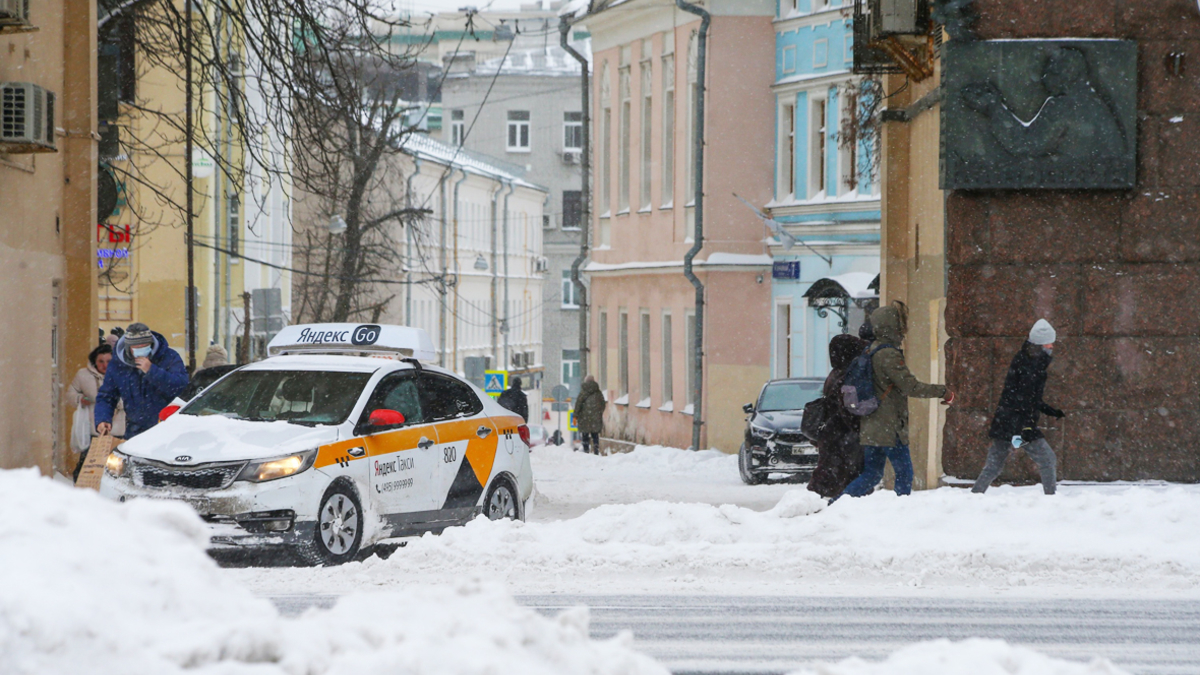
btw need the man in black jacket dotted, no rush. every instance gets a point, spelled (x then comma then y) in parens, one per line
(1015, 425)
(515, 400)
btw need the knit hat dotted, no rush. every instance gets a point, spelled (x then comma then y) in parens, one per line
(1042, 333)
(138, 335)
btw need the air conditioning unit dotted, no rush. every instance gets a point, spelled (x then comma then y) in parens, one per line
(518, 359)
(14, 12)
(571, 156)
(26, 118)
(541, 265)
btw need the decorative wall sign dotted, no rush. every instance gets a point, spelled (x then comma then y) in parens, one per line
(785, 269)
(1039, 114)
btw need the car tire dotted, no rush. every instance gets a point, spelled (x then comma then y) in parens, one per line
(339, 530)
(501, 501)
(749, 477)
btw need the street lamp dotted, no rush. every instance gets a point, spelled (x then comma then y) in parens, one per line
(337, 225)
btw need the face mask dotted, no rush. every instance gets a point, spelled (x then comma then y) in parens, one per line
(1049, 350)
(141, 352)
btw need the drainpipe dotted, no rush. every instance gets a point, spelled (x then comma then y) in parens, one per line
(442, 284)
(585, 198)
(701, 70)
(507, 254)
(408, 242)
(457, 268)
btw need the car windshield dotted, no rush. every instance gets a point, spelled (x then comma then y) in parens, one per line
(304, 397)
(788, 395)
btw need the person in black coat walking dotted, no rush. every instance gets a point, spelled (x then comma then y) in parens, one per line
(839, 455)
(515, 400)
(1015, 424)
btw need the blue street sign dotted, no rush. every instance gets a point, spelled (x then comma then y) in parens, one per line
(495, 382)
(785, 269)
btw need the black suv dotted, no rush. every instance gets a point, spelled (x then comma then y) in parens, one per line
(774, 444)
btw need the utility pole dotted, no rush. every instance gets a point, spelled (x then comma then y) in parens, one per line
(701, 70)
(244, 352)
(585, 190)
(192, 323)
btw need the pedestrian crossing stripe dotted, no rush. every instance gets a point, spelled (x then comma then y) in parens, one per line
(494, 382)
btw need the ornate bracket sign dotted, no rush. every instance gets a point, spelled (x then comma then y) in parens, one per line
(1039, 114)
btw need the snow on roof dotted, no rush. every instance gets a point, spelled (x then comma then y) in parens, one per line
(857, 284)
(548, 61)
(420, 145)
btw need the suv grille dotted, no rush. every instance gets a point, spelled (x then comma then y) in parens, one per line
(791, 437)
(201, 477)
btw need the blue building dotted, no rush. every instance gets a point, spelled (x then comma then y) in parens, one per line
(826, 189)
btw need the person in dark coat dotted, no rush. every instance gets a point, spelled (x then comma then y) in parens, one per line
(1015, 424)
(839, 456)
(145, 374)
(515, 400)
(589, 414)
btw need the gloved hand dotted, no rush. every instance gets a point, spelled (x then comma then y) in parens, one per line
(1028, 435)
(1055, 413)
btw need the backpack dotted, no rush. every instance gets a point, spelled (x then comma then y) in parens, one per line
(816, 416)
(858, 389)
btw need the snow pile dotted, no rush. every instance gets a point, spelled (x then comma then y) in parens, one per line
(969, 657)
(98, 587)
(569, 483)
(1131, 540)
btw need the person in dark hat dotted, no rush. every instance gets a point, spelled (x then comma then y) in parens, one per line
(145, 375)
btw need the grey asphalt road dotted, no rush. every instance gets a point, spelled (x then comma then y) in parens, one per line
(743, 635)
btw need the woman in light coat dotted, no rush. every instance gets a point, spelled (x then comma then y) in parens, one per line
(82, 393)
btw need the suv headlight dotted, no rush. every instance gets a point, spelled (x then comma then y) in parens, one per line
(761, 432)
(263, 470)
(115, 464)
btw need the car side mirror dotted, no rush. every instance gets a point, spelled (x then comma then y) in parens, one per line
(385, 418)
(748, 408)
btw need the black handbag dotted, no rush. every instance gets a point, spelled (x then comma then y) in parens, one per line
(816, 416)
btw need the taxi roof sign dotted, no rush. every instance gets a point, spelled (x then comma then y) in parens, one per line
(353, 338)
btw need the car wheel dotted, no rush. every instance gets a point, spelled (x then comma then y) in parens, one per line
(501, 502)
(749, 477)
(339, 528)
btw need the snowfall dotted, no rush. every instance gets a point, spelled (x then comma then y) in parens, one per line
(91, 586)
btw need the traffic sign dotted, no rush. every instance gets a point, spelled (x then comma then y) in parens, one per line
(495, 382)
(571, 425)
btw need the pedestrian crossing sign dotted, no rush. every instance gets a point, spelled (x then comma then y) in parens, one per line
(495, 382)
(571, 424)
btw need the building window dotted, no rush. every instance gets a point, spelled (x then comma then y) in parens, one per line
(605, 168)
(847, 153)
(573, 132)
(789, 59)
(783, 340)
(787, 150)
(572, 209)
(234, 215)
(693, 101)
(668, 376)
(623, 157)
(623, 355)
(602, 366)
(668, 139)
(647, 126)
(570, 368)
(569, 299)
(644, 358)
(817, 147)
(518, 131)
(458, 128)
(690, 358)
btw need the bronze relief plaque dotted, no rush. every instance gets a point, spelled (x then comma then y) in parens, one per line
(1039, 114)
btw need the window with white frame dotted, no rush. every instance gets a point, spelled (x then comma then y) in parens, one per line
(668, 105)
(668, 375)
(605, 168)
(817, 146)
(623, 355)
(458, 127)
(572, 131)
(787, 148)
(625, 91)
(647, 125)
(644, 357)
(602, 357)
(690, 357)
(847, 152)
(693, 93)
(518, 131)
(570, 367)
(569, 297)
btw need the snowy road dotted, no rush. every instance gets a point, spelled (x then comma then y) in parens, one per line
(707, 634)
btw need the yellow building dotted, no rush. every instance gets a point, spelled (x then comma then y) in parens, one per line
(47, 198)
(241, 218)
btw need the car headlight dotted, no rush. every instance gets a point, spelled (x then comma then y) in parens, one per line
(761, 432)
(264, 470)
(115, 464)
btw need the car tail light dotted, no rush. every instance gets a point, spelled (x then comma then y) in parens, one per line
(523, 430)
(167, 412)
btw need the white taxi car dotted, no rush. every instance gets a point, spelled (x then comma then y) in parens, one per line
(328, 448)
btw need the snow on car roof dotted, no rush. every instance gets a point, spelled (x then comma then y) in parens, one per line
(361, 364)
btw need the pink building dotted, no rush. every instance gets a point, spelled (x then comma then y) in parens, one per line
(643, 220)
